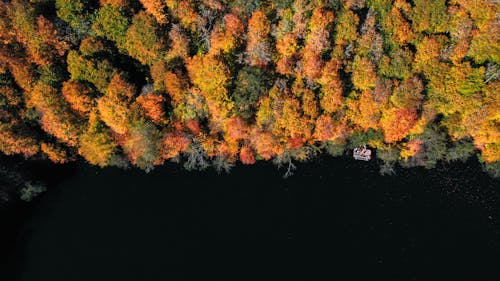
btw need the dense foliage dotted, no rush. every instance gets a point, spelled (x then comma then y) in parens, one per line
(213, 82)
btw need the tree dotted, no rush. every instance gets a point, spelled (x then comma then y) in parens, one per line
(286, 47)
(430, 147)
(30, 191)
(157, 9)
(455, 89)
(175, 86)
(427, 55)
(97, 145)
(328, 129)
(209, 74)
(482, 124)
(21, 70)
(187, 15)
(490, 153)
(408, 93)
(115, 3)
(363, 74)
(258, 48)
(142, 144)
(290, 126)
(92, 69)
(370, 137)
(54, 152)
(397, 123)
(247, 156)
(112, 23)
(345, 27)
(485, 43)
(369, 43)
(429, 16)
(92, 46)
(153, 105)
(144, 42)
(225, 80)
(197, 158)
(15, 137)
(264, 144)
(331, 86)
(317, 42)
(397, 30)
(76, 14)
(286, 42)
(9, 96)
(460, 150)
(300, 14)
(397, 65)
(179, 43)
(251, 83)
(36, 33)
(193, 105)
(174, 143)
(365, 111)
(309, 103)
(461, 31)
(264, 116)
(56, 117)
(244, 7)
(114, 106)
(236, 129)
(79, 96)
(226, 39)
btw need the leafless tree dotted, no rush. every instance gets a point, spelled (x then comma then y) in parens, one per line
(285, 160)
(206, 24)
(387, 169)
(221, 164)
(197, 159)
(492, 73)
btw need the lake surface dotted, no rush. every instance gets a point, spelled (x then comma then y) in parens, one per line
(335, 219)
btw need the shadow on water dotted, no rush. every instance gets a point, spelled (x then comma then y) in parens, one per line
(333, 218)
(14, 215)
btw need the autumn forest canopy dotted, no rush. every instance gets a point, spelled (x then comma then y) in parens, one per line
(217, 82)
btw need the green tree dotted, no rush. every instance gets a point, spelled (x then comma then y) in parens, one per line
(76, 13)
(346, 24)
(94, 70)
(397, 64)
(429, 16)
(144, 42)
(112, 22)
(250, 85)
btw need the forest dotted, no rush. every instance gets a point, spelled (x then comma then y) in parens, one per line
(213, 83)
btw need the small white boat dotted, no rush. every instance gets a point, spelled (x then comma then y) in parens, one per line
(362, 153)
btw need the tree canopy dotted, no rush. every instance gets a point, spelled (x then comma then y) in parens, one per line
(213, 82)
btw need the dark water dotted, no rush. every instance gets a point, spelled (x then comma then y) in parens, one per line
(333, 220)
